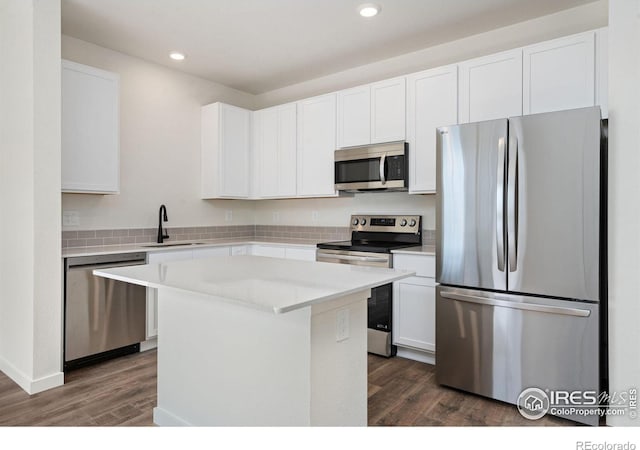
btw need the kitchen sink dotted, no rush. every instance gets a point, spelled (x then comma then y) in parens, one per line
(173, 244)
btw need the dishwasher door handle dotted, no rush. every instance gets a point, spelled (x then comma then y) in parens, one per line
(106, 265)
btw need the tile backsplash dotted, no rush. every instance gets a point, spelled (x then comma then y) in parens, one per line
(98, 238)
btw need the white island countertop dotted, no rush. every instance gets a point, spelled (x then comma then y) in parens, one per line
(269, 284)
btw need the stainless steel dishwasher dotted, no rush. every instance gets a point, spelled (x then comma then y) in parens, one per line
(103, 318)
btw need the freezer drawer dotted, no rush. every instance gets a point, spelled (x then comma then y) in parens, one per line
(497, 345)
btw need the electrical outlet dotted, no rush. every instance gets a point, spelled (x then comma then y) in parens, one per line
(314, 216)
(70, 218)
(342, 325)
(228, 215)
(276, 216)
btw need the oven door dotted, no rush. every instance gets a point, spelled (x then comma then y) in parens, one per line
(354, 258)
(377, 167)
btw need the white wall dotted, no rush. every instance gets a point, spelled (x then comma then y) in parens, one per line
(30, 263)
(624, 191)
(159, 146)
(574, 20)
(337, 211)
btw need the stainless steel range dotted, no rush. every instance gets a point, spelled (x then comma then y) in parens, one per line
(372, 239)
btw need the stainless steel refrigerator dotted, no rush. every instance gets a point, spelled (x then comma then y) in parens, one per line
(520, 255)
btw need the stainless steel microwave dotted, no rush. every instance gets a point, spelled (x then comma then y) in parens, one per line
(372, 167)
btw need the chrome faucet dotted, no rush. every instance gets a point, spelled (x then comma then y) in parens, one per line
(162, 235)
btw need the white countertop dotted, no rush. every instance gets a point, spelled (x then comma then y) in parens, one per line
(269, 284)
(133, 248)
(429, 250)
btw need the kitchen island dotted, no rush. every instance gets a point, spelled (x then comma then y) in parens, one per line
(255, 341)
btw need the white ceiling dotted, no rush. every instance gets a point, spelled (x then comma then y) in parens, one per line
(260, 45)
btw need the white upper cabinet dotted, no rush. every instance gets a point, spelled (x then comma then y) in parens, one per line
(432, 101)
(225, 151)
(491, 87)
(354, 116)
(388, 109)
(274, 151)
(316, 145)
(372, 114)
(559, 74)
(602, 70)
(90, 130)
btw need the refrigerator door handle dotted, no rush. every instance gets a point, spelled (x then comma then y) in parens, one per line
(500, 205)
(512, 204)
(516, 305)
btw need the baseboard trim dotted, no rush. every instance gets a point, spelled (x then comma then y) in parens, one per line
(27, 384)
(45, 383)
(149, 344)
(417, 355)
(164, 418)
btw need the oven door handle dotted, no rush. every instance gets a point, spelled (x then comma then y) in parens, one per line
(383, 163)
(352, 258)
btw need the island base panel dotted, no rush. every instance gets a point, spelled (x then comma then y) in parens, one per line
(222, 364)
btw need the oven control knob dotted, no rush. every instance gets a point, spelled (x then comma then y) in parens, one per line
(355, 222)
(403, 223)
(363, 221)
(412, 223)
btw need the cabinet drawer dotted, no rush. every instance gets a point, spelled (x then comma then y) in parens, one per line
(272, 252)
(238, 250)
(423, 265)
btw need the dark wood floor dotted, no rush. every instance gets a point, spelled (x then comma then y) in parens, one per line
(118, 392)
(403, 392)
(123, 392)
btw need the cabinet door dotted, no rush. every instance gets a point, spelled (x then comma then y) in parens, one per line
(287, 150)
(602, 70)
(432, 101)
(414, 313)
(316, 145)
(265, 250)
(301, 254)
(388, 109)
(559, 74)
(275, 151)
(354, 116)
(152, 294)
(90, 130)
(265, 124)
(491, 87)
(208, 252)
(234, 151)
(238, 250)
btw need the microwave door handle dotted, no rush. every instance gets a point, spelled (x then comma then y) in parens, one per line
(383, 162)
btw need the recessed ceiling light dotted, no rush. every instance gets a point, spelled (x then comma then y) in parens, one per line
(368, 9)
(177, 56)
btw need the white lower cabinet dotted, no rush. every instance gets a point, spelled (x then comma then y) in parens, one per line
(273, 251)
(414, 307)
(301, 254)
(238, 250)
(152, 294)
(267, 250)
(208, 252)
(414, 312)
